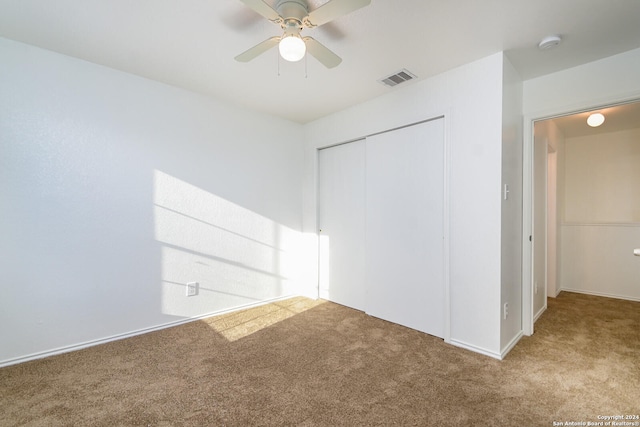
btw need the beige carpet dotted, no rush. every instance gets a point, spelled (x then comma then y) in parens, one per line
(305, 363)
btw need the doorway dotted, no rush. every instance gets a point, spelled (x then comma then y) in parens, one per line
(585, 213)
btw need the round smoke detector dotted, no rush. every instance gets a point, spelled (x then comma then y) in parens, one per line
(549, 42)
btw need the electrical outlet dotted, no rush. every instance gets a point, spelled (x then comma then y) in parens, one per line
(506, 310)
(192, 289)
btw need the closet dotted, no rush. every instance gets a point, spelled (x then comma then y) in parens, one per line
(381, 219)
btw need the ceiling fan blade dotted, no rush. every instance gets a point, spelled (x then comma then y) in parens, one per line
(258, 49)
(263, 9)
(332, 10)
(322, 53)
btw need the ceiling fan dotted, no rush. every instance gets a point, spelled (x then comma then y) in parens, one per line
(293, 16)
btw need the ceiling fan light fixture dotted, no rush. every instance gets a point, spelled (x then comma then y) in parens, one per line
(594, 120)
(292, 48)
(293, 16)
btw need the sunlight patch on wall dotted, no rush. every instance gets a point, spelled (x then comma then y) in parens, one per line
(238, 257)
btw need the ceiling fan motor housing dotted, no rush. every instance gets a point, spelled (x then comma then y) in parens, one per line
(292, 9)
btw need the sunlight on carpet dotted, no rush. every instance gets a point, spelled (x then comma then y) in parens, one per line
(240, 324)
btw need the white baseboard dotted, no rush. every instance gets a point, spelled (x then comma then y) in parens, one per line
(511, 344)
(599, 294)
(476, 349)
(539, 313)
(86, 344)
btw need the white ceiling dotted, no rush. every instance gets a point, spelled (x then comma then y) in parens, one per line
(192, 43)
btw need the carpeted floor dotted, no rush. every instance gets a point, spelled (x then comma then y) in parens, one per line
(305, 363)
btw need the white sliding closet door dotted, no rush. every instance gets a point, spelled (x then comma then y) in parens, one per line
(341, 193)
(405, 226)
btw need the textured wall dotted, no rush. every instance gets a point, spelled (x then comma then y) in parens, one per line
(116, 190)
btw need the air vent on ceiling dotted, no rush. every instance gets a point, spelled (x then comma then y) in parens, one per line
(397, 78)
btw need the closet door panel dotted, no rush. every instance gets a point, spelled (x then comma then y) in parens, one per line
(405, 227)
(341, 219)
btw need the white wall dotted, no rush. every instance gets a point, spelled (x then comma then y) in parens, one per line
(598, 259)
(602, 177)
(116, 190)
(597, 83)
(511, 289)
(602, 82)
(601, 226)
(470, 99)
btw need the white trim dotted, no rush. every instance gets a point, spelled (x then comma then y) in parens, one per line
(476, 349)
(511, 344)
(539, 313)
(535, 245)
(527, 227)
(600, 294)
(553, 226)
(546, 225)
(117, 337)
(446, 244)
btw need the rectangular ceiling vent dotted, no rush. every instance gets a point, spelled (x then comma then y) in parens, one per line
(397, 78)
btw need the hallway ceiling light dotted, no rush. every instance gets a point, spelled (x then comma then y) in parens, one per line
(595, 120)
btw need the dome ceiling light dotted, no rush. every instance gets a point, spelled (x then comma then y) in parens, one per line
(594, 120)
